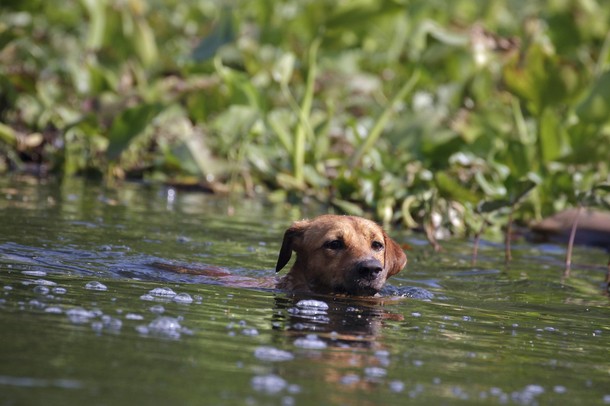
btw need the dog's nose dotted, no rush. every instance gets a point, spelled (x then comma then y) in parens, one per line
(369, 269)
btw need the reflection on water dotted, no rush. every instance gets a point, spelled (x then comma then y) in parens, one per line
(86, 318)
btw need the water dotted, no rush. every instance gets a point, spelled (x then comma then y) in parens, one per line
(86, 319)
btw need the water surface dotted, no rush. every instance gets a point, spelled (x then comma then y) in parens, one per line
(86, 319)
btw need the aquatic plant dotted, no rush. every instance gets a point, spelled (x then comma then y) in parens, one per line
(413, 112)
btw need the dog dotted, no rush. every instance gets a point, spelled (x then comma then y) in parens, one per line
(338, 255)
(344, 255)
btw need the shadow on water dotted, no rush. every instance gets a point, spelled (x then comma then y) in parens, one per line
(86, 319)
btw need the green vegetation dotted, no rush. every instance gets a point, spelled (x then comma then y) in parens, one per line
(424, 112)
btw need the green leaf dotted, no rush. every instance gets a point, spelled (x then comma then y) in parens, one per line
(97, 22)
(604, 187)
(348, 207)
(552, 138)
(221, 34)
(595, 108)
(451, 188)
(489, 206)
(145, 43)
(521, 189)
(128, 125)
(8, 135)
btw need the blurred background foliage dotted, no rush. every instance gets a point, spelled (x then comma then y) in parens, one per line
(414, 111)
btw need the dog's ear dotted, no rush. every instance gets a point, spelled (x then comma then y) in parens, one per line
(291, 236)
(395, 258)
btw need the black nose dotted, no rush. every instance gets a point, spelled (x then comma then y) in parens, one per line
(369, 269)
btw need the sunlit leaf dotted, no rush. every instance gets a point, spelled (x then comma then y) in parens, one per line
(97, 25)
(145, 43)
(348, 207)
(283, 68)
(8, 135)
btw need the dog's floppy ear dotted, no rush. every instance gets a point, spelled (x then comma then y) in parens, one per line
(395, 258)
(293, 233)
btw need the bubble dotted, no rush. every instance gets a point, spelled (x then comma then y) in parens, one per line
(111, 323)
(53, 310)
(528, 394)
(41, 282)
(183, 298)
(41, 290)
(95, 285)
(310, 341)
(397, 386)
(270, 384)
(59, 290)
(134, 316)
(272, 354)
(162, 292)
(313, 304)
(250, 332)
(375, 372)
(34, 273)
(79, 315)
(157, 309)
(350, 379)
(165, 326)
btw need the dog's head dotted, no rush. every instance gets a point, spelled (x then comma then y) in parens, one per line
(342, 254)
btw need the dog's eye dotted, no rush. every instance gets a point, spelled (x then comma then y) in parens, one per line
(334, 244)
(377, 246)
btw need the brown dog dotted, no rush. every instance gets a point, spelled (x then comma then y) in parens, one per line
(339, 254)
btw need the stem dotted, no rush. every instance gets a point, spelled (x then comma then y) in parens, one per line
(607, 282)
(379, 126)
(475, 249)
(571, 241)
(304, 112)
(509, 231)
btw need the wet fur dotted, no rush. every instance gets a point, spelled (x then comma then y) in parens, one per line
(349, 266)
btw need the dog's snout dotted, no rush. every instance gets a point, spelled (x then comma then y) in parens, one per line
(369, 269)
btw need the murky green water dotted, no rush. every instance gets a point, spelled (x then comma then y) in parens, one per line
(85, 319)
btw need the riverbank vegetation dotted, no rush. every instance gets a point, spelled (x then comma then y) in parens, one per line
(439, 114)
